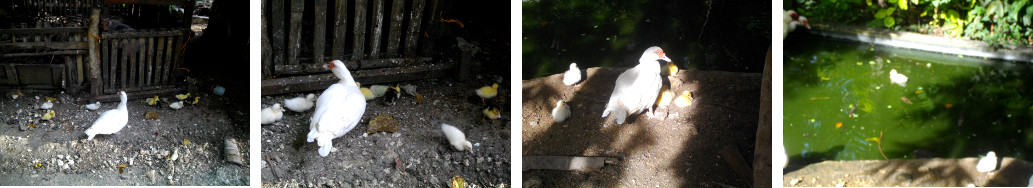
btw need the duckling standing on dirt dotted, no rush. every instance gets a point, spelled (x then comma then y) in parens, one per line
(272, 114)
(93, 106)
(456, 138)
(683, 100)
(152, 101)
(987, 163)
(176, 105)
(572, 76)
(392, 94)
(366, 92)
(46, 105)
(300, 104)
(487, 92)
(183, 96)
(491, 113)
(561, 112)
(49, 115)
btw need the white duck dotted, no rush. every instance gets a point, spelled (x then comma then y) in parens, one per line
(898, 78)
(300, 104)
(110, 121)
(637, 88)
(46, 105)
(561, 112)
(572, 76)
(456, 138)
(93, 106)
(272, 114)
(176, 105)
(780, 159)
(791, 20)
(338, 109)
(987, 163)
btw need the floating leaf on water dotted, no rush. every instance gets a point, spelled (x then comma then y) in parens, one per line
(820, 98)
(121, 166)
(872, 139)
(839, 124)
(948, 105)
(382, 123)
(186, 141)
(458, 182)
(151, 115)
(919, 92)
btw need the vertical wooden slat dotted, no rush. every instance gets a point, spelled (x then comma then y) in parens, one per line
(170, 53)
(134, 50)
(141, 64)
(294, 39)
(413, 34)
(266, 47)
(319, 40)
(378, 26)
(395, 35)
(359, 30)
(341, 29)
(124, 61)
(109, 66)
(159, 61)
(276, 29)
(150, 61)
(180, 40)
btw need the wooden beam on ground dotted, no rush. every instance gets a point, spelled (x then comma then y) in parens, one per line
(735, 159)
(65, 52)
(45, 45)
(306, 68)
(579, 163)
(386, 75)
(152, 2)
(44, 30)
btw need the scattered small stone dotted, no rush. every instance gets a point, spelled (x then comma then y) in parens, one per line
(151, 174)
(794, 182)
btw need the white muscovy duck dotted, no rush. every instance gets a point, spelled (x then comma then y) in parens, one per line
(300, 104)
(791, 20)
(572, 76)
(987, 163)
(110, 121)
(637, 88)
(897, 78)
(338, 109)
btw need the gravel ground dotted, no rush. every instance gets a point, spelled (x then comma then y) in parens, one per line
(418, 155)
(679, 148)
(57, 153)
(936, 172)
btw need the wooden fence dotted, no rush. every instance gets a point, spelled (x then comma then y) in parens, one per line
(379, 40)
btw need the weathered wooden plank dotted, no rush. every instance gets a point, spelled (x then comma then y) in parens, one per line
(394, 36)
(150, 60)
(169, 54)
(96, 83)
(413, 34)
(51, 53)
(124, 61)
(26, 31)
(359, 44)
(266, 47)
(46, 45)
(374, 76)
(108, 66)
(174, 64)
(305, 68)
(276, 18)
(580, 163)
(294, 38)
(340, 29)
(151, 2)
(319, 40)
(145, 33)
(378, 26)
(159, 61)
(134, 50)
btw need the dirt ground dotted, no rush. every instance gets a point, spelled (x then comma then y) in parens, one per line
(679, 148)
(57, 152)
(425, 156)
(935, 172)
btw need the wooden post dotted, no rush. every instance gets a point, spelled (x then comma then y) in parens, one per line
(394, 38)
(378, 26)
(276, 24)
(267, 51)
(319, 40)
(340, 30)
(294, 48)
(360, 30)
(415, 20)
(94, 32)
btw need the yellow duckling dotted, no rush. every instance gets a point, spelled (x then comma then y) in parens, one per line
(672, 69)
(49, 115)
(152, 101)
(665, 97)
(197, 98)
(492, 113)
(183, 96)
(683, 100)
(16, 93)
(365, 92)
(488, 92)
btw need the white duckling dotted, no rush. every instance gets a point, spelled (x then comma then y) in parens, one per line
(272, 114)
(898, 78)
(791, 20)
(300, 104)
(46, 105)
(93, 106)
(636, 89)
(780, 159)
(572, 76)
(176, 105)
(561, 112)
(987, 163)
(110, 121)
(338, 109)
(456, 138)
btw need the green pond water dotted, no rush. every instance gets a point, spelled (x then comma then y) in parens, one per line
(950, 107)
